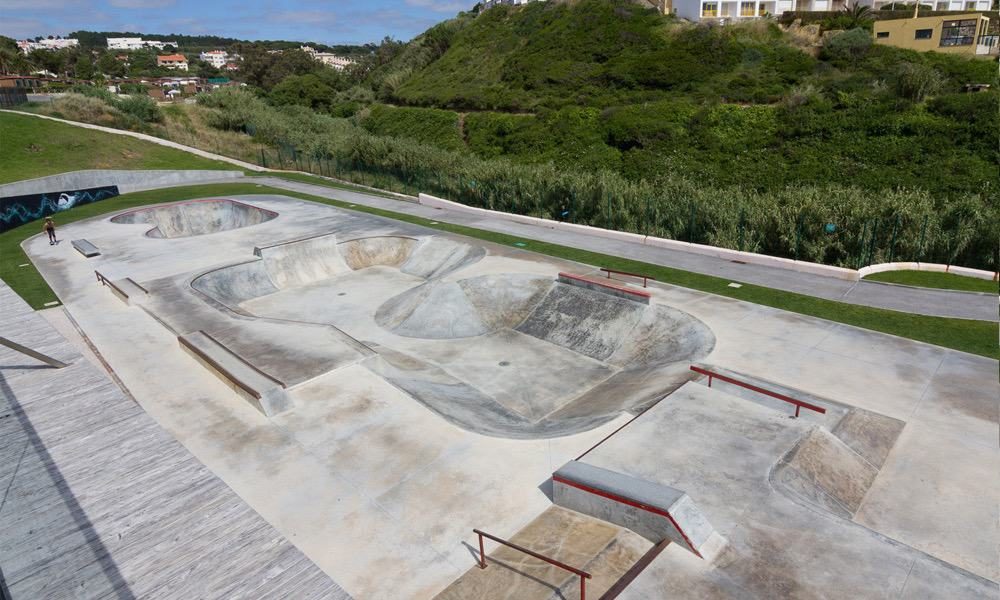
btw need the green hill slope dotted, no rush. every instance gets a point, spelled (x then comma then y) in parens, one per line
(613, 86)
(34, 147)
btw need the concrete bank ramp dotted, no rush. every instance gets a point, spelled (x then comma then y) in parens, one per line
(197, 217)
(601, 549)
(466, 308)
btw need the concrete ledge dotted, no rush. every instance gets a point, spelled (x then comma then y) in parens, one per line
(262, 391)
(930, 267)
(605, 286)
(85, 248)
(654, 511)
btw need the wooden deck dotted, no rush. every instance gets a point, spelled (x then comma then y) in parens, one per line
(97, 501)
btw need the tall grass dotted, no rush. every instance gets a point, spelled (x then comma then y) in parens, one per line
(827, 223)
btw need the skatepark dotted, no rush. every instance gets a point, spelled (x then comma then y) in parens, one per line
(375, 390)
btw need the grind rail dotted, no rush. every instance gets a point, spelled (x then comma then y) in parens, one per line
(584, 576)
(799, 404)
(644, 278)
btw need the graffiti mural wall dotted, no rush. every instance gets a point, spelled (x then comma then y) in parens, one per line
(18, 210)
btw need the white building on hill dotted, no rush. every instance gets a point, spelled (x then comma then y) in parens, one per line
(218, 58)
(137, 44)
(333, 60)
(27, 46)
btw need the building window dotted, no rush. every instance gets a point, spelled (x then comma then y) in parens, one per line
(959, 33)
(882, 34)
(970, 5)
(924, 34)
(747, 9)
(710, 9)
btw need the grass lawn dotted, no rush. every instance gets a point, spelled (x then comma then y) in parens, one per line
(929, 279)
(31, 147)
(977, 337)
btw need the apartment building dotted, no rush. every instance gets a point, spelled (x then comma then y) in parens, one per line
(137, 44)
(27, 46)
(953, 34)
(216, 58)
(175, 62)
(333, 60)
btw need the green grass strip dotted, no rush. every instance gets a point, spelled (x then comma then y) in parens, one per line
(976, 337)
(941, 281)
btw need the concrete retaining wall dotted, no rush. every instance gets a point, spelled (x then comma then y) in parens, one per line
(714, 251)
(127, 181)
(932, 267)
(654, 511)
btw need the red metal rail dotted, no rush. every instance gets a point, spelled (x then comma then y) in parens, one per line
(798, 403)
(644, 278)
(584, 576)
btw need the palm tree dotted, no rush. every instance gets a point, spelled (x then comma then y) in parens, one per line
(859, 14)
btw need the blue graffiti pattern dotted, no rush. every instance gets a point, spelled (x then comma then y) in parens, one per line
(19, 210)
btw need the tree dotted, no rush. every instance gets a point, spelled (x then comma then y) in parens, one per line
(84, 68)
(110, 66)
(13, 62)
(304, 90)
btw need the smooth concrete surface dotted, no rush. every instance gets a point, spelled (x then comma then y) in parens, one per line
(777, 546)
(127, 181)
(381, 490)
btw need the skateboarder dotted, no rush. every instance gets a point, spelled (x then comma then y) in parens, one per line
(50, 228)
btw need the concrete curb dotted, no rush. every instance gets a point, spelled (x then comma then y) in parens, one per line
(713, 251)
(929, 267)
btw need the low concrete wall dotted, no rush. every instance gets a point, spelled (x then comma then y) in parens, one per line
(654, 511)
(932, 267)
(636, 238)
(127, 181)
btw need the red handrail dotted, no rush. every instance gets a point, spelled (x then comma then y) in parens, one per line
(644, 278)
(798, 403)
(584, 576)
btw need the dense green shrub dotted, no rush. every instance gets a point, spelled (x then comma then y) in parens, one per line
(437, 127)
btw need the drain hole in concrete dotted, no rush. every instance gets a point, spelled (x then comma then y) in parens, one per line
(342, 294)
(504, 363)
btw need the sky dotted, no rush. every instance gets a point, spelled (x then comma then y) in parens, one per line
(329, 22)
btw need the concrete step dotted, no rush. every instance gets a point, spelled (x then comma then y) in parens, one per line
(605, 551)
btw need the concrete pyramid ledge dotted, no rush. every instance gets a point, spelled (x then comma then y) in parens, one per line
(656, 512)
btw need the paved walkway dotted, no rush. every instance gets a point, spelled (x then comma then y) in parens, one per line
(943, 303)
(98, 501)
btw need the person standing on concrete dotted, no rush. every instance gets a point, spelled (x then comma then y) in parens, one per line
(50, 228)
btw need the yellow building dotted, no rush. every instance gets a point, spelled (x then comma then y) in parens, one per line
(959, 34)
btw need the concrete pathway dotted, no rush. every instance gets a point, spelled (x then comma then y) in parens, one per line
(944, 303)
(97, 501)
